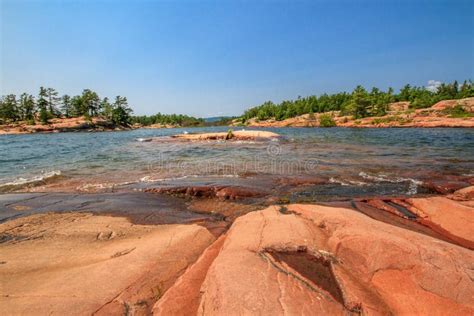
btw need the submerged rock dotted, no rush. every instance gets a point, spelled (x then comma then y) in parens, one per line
(222, 192)
(445, 186)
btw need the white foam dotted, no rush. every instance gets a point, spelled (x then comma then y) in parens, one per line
(347, 182)
(149, 179)
(412, 186)
(35, 179)
(100, 186)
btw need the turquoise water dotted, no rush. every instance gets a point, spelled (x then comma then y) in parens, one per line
(346, 156)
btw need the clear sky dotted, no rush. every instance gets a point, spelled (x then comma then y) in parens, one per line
(210, 58)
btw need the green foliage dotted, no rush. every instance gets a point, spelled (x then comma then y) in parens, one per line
(121, 111)
(229, 135)
(326, 120)
(53, 100)
(43, 106)
(395, 118)
(27, 107)
(168, 119)
(458, 112)
(360, 103)
(66, 106)
(9, 108)
(106, 108)
(44, 116)
(88, 104)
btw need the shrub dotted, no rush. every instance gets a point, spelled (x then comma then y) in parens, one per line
(458, 112)
(326, 120)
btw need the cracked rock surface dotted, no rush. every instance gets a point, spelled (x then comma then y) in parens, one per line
(315, 259)
(79, 263)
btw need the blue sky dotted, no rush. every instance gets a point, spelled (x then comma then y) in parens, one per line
(209, 58)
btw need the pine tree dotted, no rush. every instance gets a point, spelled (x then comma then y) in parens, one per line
(27, 107)
(91, 103)
(360, 103)
(121, 112)
(53, 100)
(106, 108)
(77, 107)
(43, 105)
(66, 106)
(9, 108)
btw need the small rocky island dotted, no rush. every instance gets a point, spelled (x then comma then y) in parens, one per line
(229, 135)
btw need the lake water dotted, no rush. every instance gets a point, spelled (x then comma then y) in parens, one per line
(398, 158)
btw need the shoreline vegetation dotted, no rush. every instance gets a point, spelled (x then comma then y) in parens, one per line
(450, 105)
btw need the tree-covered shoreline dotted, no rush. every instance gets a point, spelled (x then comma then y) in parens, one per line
(360, 102)
(49, 105)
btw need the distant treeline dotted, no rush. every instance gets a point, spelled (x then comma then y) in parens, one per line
(48, 104)
(360, 103)
(178, 120)
(168, 119)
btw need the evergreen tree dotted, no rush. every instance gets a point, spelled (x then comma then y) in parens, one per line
(106, 108)
(9, 108)
(90, 103)
(43, 105)
(27, 107)
(466, 90)
(121, 112)
(53, 100)
(66, 105)
(77, 107)
(360, 103)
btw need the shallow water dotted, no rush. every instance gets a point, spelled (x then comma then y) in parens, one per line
(398, 158)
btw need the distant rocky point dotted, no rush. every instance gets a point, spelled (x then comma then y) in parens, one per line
(56, 125)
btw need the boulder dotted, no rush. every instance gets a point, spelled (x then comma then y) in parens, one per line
(312, 259)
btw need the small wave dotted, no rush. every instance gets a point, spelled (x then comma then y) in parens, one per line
(347, 182)
(19, 183)
(412, 183)
(334, 180)
(149, 179)
(88, 187)
(385, 178)
(144, 140)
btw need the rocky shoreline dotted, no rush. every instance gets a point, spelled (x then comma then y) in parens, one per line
(226, 250)
(400, 115)
(59, 125)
